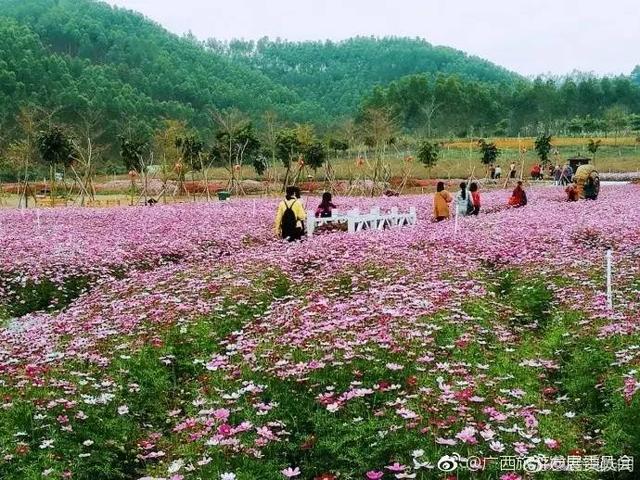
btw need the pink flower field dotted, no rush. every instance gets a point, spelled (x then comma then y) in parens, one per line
(186, 342)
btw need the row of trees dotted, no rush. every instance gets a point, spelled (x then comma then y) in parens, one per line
(172, 151)
(445, 105)
(281, 154)
(86, 57)
(429, 152)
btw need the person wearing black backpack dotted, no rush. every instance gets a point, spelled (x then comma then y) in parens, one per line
(291, 216)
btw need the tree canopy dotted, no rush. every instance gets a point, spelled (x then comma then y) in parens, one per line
(73, 59)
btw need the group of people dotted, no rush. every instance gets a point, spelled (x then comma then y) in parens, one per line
(291, 215)
(560, 175)
(467, 200)
(495, 171)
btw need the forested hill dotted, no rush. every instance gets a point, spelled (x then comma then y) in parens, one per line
(336, 75)
(85, 56)
(81, 56)
(73, 60)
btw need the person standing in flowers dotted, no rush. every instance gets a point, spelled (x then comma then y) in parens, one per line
(325, 208)
(475, 198)
(557, 175)
(512, 170)
(463, 201)
(566, 177)
(290, 216)
(518, 197)
(441, 201)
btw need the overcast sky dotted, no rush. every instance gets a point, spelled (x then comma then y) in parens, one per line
(527, 36)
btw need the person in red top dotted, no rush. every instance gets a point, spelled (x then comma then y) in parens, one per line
(536, 172)
(325, 208)
(518, 197)
(572, 193)
(475, 198)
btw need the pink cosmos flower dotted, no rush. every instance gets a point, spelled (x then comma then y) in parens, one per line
(374, 475)
(521, 448)
(497, 446)
(290, 472)
(446, 441)
(551, 443)
(467, 435)
(631, 386)
(396, 467)
(221, 414)
(510, 476)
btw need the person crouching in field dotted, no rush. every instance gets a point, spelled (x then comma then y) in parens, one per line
(572, 193)
(518, 197)
(441, 201)
(475, 198)
(325, 208)
(290, 216)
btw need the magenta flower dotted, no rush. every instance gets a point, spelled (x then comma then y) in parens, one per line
(510, 476)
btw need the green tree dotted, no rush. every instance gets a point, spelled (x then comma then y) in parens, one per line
(576, 126)
(260, 164)
(192, 149)
(635, 75)
(56, 150)
(428, 154)
(617, 120)
(489, 151)
(236, 142)
(315, 155)
(132, 153)
(501, 128)
(288, 149)
(338, 145)
(379, 130)
(543, 147)
(593, 147)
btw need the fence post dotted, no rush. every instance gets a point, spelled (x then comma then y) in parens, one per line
(311, 225)
(351, 224)
(609, 280)
(455, 223)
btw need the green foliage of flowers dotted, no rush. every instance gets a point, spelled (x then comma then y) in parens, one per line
(44, 295)
(530, 297)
